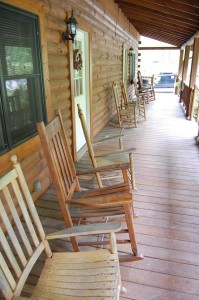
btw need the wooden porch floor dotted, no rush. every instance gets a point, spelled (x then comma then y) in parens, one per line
(167, 201)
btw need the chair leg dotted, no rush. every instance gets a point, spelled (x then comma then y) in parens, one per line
(132, 171)
(129, 222)
(144, 105)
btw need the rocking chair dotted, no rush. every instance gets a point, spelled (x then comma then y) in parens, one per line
(149, 87)
(108, 158)
(127, 116)
(66, 275)
(113, 201)
(140, 102)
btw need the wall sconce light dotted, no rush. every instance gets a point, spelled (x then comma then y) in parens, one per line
(72, 28)
(130, 52)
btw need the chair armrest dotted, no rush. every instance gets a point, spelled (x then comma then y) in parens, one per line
(108, 138)
(123, 166)
(108, 200)
(116, 152)
(85, 230)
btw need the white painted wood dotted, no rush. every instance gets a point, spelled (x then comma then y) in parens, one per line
(82, 87)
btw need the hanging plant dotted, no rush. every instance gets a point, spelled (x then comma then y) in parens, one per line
(77, 59)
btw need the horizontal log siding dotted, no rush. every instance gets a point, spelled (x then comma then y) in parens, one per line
(108, 30)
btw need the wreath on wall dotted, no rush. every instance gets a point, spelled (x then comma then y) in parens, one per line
(77, 59)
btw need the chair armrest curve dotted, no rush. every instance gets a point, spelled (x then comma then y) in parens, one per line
(86, 230)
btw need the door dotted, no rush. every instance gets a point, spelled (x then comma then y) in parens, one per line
(81, 86)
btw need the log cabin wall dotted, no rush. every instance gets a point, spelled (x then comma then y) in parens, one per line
(109, 31)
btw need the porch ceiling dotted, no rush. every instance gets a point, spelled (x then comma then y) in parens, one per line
(169, 21)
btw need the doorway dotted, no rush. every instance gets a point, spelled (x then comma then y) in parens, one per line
(81, 87)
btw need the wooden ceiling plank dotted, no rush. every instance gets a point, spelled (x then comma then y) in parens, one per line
(163, 39)
(155, 8)
(129, 11)
(170, 4)
(158, 48)
(143, 24)
(166, 25)
(162, 33)
(194, 3)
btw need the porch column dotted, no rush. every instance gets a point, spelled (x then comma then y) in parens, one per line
(179, 75)
(186, 62)
(180, 63)
(193, 75)
(194, 66)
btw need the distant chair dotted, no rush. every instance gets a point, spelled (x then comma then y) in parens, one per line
(127, 115)
(140, 100)
(148, 86)
(87, 275)
(107, 158)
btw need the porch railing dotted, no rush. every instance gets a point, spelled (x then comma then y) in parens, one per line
(195, 110)
(185, 96)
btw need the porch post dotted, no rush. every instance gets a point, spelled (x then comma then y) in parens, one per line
(193, 75)
(179, 75)
(194, 65)
(185, 65)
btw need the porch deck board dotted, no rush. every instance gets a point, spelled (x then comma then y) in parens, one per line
(167, 200)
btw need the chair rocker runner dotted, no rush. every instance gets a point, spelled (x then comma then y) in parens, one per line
(114, 201)
(108, 158)
(66, 275)
(127, 117)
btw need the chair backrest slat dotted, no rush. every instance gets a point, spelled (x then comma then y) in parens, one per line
(62, 160)
(26, 217)
(139, 80)
(12, 235)
(17, 220)
(9, 254)
(58, 156)
(4, 268)
(116, 96)
(22, 239)
(124, 94)
(5, 287)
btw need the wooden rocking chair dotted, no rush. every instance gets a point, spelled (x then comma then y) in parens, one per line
(140, 103)
(145, 94)
(149, 87)
(66, 275)
(113, 201)
(108, 158)
(127, 116)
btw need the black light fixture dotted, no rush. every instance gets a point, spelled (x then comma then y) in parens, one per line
(131, 51)
(72, 28)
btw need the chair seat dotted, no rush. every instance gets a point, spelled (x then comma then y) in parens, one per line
(78, 211)
(111, 160)
(79, 275)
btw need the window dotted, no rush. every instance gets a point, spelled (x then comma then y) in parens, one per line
(132, 67)
(22, 100)
(125, 66)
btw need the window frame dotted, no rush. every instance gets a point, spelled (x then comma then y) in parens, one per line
(44, 110)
